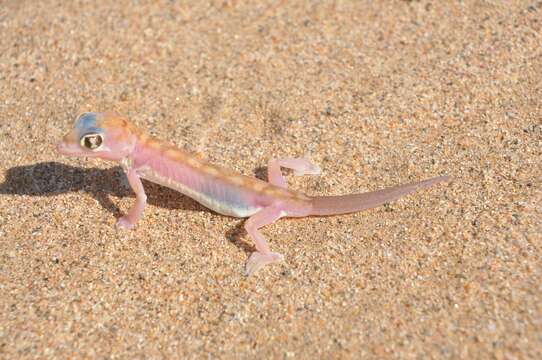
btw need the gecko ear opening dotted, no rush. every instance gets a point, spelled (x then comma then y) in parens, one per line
(91, 141)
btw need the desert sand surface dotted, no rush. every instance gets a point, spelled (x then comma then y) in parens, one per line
(377, 93)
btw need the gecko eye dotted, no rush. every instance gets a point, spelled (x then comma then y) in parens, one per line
(91, 141)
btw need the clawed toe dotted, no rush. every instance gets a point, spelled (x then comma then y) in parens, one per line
(310, 169)
(123, 223)
(258, 260)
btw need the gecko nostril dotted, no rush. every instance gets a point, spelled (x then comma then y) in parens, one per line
(60, 146)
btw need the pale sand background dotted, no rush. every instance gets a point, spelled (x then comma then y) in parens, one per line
(377, 93)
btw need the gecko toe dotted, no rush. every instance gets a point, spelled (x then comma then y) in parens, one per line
(124, 223)
(258, 260)
(308, 169)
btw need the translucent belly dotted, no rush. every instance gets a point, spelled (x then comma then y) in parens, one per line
(222, 198)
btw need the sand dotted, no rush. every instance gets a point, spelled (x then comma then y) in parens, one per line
(376, 93)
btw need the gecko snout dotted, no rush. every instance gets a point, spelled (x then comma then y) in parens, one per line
(68, 149)
(61, 147)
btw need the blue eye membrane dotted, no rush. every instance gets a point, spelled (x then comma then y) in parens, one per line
(86, 124)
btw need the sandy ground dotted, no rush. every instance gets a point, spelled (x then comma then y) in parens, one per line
(376, 93)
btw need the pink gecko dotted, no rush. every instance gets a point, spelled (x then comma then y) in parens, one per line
(111, 137)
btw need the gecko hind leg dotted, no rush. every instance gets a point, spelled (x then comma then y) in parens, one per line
(300, 166)
(263, 255)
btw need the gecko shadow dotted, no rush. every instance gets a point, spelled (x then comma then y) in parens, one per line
(53, 178)
(237, 235)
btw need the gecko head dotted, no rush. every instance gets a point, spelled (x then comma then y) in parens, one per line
(104, 135)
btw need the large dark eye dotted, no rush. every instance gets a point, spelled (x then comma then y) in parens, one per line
(91, 141)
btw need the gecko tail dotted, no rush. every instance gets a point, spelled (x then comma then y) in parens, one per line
(335, 205)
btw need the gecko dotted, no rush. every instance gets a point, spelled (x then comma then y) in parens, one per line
(112, 137)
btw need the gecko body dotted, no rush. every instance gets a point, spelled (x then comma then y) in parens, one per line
(111, 137)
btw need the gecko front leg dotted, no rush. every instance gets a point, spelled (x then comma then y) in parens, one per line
(263, 255)
(300, 166)
(136, 211)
